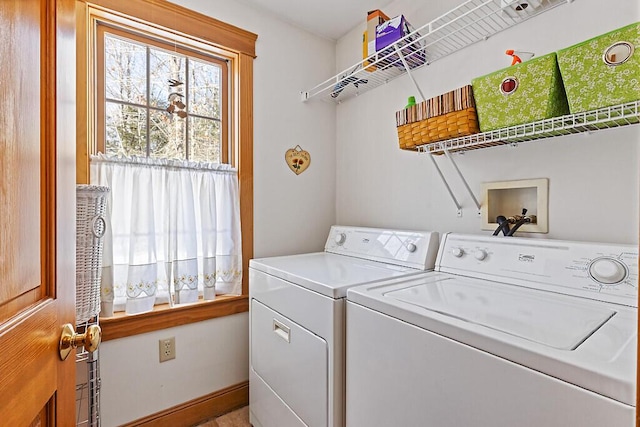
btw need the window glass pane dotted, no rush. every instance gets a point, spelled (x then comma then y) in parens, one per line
(184, 110)
(166, 70)
(167, 135)
(125, 130)
(205, 95)
(204, 140)
(125, 70)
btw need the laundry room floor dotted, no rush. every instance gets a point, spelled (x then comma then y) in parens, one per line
(237, 418)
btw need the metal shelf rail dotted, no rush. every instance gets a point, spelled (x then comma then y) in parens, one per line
(471, 22)
(603, 118)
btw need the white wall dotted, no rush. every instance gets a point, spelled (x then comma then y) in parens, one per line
(210, 356)
(292, 214)
(593, 178)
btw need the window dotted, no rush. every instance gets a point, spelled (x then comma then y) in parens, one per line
(173, 28)
(160, 100)
(173, 230)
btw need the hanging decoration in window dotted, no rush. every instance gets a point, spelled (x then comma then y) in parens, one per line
(297, 159)
(176, 104)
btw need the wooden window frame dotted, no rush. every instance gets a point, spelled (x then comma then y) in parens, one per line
(159, 18)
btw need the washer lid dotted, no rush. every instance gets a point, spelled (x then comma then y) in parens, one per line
(540, 317)
(327, 273)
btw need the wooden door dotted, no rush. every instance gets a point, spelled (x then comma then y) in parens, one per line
(37, 210)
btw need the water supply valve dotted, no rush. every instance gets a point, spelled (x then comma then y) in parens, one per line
(504, 223)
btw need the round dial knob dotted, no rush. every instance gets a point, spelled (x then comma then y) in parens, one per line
(607, 270)
(340, 238)
(457, 252)
(480, 254)
(411, 247)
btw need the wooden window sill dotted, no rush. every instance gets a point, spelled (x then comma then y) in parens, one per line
(123, 325)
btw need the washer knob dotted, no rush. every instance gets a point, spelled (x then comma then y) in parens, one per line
(411, 247)
(607, 271)
(480, 254)
(457, 252)
(340, 238)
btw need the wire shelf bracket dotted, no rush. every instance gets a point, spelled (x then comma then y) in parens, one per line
(464, 181)
(446, 184)
(587, 122)
(408, 68)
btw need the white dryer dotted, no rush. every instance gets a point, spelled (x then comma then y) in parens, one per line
(297, 320)
(505, 332)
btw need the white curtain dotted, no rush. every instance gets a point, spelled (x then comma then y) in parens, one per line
(173, 232)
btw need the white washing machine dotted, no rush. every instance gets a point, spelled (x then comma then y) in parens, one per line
(297, 308)
(505, 332)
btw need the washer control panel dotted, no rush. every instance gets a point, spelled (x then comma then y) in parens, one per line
(608, 271)
(457, 252)
(605, 272)
(416, 249)
(340, 238)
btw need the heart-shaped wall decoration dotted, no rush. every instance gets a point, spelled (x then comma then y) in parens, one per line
(297, 159)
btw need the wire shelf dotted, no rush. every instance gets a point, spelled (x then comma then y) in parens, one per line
(603, 118)
(471, 22)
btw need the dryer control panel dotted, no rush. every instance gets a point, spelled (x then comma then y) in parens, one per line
(415, 249)
(599, 271)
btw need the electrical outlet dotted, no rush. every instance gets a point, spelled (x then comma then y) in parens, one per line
(167, 349)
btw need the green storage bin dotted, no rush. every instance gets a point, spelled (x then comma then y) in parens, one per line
(590, 74)
(522, 93)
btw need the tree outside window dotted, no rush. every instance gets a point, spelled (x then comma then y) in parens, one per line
(161, 101)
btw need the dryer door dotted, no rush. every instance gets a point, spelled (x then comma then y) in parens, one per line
(292, 361)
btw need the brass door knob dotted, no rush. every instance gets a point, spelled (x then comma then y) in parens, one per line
(69, 340)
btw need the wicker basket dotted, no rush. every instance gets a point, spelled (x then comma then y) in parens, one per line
(91, 203)
(446, 116)
(438, 128)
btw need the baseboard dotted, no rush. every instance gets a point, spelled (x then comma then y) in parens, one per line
(200, 409)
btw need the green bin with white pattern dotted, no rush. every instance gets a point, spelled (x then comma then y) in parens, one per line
(602, 71)
(523, 93)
